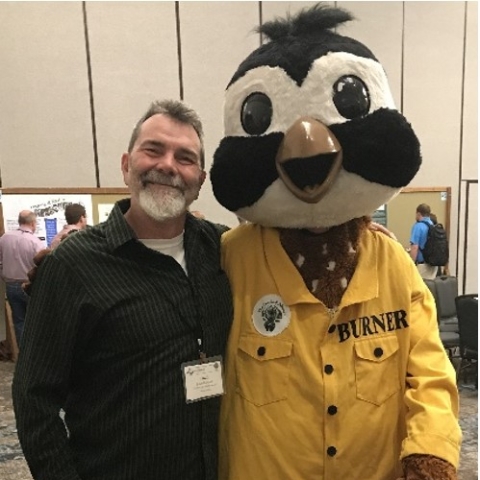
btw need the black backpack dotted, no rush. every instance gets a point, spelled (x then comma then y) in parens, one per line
(435, 252)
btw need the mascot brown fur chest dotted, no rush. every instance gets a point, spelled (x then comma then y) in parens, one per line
(335, 369)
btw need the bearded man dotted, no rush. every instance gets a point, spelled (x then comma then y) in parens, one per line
(123, 318)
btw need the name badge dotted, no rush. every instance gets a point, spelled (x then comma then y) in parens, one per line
(203, 379)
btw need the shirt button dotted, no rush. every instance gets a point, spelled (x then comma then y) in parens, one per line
(331, 329)
(378, 352)
(328, 369)
(261, 351)
(332, 409)
(331, 451)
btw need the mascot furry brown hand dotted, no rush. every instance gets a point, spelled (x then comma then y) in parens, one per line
(335, 368)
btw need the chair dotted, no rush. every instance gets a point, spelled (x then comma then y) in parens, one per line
(447, 291)
(467, 312)
(433, 289)
(450, 338)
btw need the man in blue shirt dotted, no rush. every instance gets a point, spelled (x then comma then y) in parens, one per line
(418, 238)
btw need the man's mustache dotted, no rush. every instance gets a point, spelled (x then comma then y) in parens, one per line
(160, 178)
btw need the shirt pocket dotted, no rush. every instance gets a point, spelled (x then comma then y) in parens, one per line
(376, 369)
(262, 369)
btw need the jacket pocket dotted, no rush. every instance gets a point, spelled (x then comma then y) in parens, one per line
(376, 369)
(262, 369)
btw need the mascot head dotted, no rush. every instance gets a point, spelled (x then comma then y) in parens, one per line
(312, 135)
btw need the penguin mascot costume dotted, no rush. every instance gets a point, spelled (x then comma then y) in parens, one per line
(334, 369)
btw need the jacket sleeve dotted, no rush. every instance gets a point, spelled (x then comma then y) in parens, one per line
(431, 395)
(43, 371)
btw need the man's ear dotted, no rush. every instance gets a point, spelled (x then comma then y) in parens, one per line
(125, 167)
(201, 179)
(203, 176)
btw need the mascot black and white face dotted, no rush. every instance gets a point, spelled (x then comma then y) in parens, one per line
(312, 136)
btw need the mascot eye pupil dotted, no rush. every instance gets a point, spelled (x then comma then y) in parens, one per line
(256, 113)
(351, 97)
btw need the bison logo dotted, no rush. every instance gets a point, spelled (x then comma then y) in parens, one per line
(270, 315)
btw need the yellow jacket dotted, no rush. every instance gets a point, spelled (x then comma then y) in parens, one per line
(313, 393)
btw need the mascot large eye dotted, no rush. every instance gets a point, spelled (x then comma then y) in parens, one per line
(351, 97)
(256, 113)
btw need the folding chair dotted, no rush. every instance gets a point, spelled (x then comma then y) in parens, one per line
(449, 337)
(447, 291)
(467, 312)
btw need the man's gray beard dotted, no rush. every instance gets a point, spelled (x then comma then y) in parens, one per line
(162, 206)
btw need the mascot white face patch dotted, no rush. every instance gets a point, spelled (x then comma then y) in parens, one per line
(270, 316)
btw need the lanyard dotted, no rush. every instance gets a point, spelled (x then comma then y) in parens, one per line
(198, 329)
(202, 355)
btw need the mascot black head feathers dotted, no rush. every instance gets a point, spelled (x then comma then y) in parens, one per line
(312, 135)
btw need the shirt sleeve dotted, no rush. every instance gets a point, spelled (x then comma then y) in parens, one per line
(431, 396)
(416, 233)
(43, 371)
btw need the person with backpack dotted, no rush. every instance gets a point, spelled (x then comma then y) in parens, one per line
(442, 252)
(428, 243)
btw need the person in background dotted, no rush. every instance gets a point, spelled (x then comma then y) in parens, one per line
(418, 238)
(129, 342)
(440, 270)
(17, 249)
(76, 218)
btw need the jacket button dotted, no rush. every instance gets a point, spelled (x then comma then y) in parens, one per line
(332, 409)
(331, 451)
(378, 352)
(331, 329)
(261, 351)
(328, 369)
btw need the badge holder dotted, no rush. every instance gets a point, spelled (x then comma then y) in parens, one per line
(203, 379)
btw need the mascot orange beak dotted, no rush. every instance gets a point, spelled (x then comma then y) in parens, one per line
(308, 159)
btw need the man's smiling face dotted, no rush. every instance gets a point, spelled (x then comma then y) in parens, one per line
(163, 170)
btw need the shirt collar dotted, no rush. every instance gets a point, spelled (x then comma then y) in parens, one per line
(117, 230)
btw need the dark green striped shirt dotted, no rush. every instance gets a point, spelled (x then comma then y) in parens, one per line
(108, 326)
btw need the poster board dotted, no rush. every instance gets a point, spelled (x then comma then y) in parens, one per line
(50, 211)
(49, 205)
(398, 216)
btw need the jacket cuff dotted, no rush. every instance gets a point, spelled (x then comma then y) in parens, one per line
(436, 445)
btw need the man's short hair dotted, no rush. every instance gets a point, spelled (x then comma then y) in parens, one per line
(74, 212)
(26, 217)
(424, 210)
(176, 110)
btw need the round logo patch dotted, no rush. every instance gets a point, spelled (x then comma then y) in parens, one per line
(270, 315)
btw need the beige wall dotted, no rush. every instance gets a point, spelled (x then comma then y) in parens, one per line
(76, 76)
